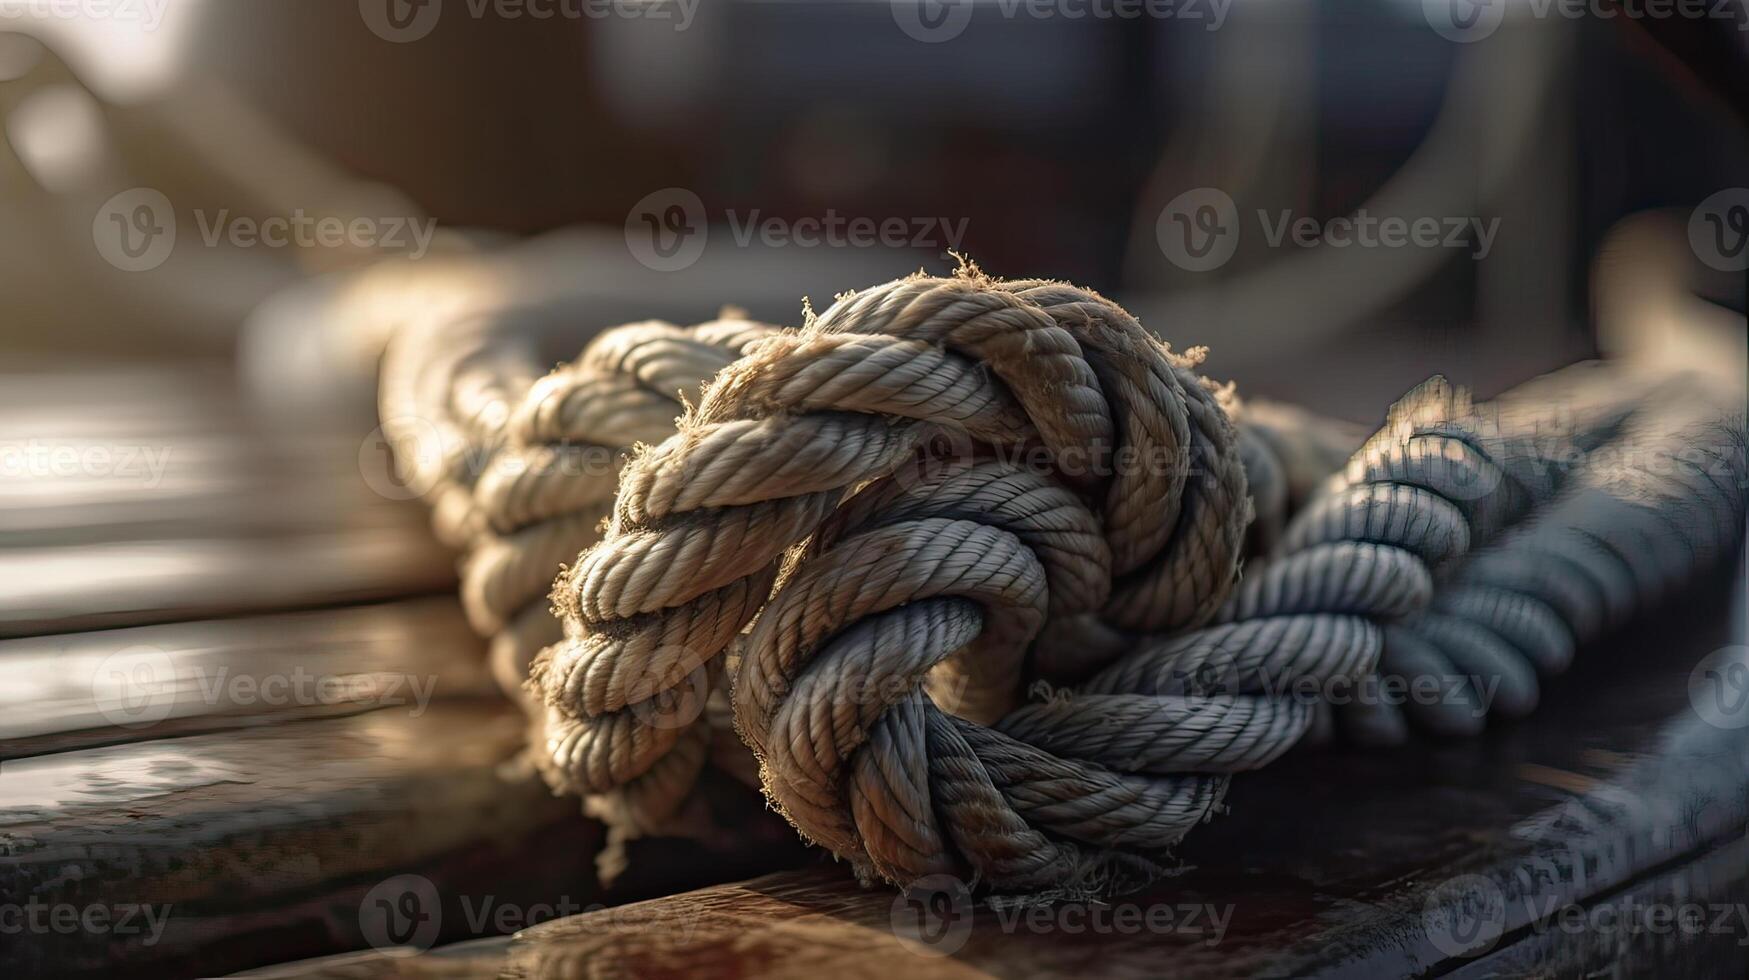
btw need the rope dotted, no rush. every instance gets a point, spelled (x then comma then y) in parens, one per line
(967, 553)
(965, 468)
(526, 466)
(1588, 522)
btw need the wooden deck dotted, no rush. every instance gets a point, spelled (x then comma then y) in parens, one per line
(1548, 849)
(245, 726)
(239, 694)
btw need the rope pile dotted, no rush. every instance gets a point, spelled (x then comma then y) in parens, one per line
(967, 554)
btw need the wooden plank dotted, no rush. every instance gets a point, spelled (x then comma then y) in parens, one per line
(52, 590)
(226, 793)
(154, 495)
(81, 690)
(259, 843)
(1463, 857)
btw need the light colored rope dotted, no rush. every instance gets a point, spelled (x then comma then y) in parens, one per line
(928, 480)
(522, 468)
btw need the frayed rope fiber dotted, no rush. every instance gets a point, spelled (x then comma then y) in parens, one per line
(896, 518)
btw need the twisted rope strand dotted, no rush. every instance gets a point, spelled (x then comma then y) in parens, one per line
(525, 467)
(1584, 496)
(1630, 527)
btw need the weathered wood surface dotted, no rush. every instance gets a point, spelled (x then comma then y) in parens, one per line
(260, 843)
(1464, 858)
(140, 496)
(254, 846)
(206, 796)
(81, 690)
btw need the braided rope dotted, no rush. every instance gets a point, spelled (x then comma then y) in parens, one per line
(968, 466)
(529, 464)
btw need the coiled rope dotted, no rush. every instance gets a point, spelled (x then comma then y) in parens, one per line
(1091, 493)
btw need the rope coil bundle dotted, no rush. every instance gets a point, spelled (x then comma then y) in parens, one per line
(928, 585)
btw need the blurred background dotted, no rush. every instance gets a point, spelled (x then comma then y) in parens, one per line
(215, 213)
(1037, 138)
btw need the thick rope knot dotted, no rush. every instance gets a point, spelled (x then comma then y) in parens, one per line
(988, 481)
